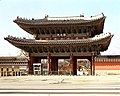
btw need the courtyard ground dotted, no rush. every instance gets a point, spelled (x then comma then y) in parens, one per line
(60, 82)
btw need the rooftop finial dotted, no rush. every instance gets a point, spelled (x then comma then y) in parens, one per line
(102, 14)
(82, 15)
(46, 16)
(17, 17)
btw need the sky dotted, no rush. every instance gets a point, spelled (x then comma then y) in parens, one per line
(10, 9)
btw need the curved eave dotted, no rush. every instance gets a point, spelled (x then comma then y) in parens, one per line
(104, 42)
(25, 24)
(56, 22)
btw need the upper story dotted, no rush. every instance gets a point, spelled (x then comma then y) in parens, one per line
(57, 28)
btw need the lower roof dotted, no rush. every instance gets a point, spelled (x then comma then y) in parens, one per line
(99, 40)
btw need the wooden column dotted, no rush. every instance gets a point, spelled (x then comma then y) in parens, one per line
(49, 62)
(54, 65)
(73, 62)
(30, 65)
(31, 61)
(92, 64)
(74, 66)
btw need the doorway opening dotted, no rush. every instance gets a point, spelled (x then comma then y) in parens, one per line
(83, 67)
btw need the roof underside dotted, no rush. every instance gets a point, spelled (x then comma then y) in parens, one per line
(51, 22)
(29, 43)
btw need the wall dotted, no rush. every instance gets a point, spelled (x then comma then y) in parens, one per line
(107, 68)
(107, 65)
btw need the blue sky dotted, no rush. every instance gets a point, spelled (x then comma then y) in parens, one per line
(37, 9)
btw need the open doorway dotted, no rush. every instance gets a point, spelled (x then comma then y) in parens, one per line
(83, 67)
(64, 67)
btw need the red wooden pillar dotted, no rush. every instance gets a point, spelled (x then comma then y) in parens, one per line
(49, 62)
(31, 61)
(93, 65)
(73, 62)
(92, 60)
(30, 64)
(54, 65)
(74, 66)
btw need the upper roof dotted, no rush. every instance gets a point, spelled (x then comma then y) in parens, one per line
(37, 26)
(60, 20)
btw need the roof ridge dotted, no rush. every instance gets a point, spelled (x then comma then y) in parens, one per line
(75, 17)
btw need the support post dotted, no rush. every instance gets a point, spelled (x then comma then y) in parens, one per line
(54, 65)
(31, 61)
(30, 65)
(75, 66)
(49, 62)
(93, 64)
(73, 63)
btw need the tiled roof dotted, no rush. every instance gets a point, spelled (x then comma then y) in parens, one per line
(108, 56)
(60, 20)
(13, 61)
(24, 41)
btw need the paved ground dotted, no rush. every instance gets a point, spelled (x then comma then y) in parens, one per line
(61, 82)
(60, 86)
